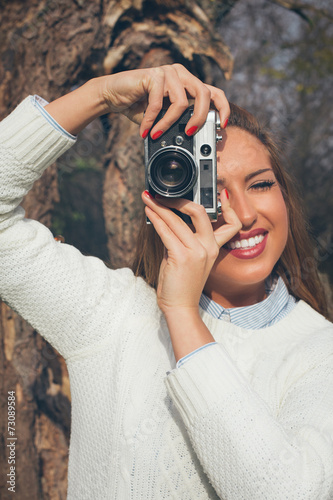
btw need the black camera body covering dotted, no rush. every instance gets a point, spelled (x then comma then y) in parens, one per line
(179, 166)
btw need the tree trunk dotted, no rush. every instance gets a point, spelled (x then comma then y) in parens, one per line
(47, 47)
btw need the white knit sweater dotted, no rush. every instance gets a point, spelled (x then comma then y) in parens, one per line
(248, 418)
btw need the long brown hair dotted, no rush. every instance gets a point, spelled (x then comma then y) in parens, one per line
(297, 265)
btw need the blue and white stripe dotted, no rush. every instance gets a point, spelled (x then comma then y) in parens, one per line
(40, 103)
(276, 306)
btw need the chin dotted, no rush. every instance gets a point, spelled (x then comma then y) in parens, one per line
(235, 272)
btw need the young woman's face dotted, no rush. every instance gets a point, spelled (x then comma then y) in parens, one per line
(245, 170)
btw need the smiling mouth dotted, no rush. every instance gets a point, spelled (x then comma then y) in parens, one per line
(246, 243)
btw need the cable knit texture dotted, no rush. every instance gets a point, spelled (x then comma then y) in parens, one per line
(248, 418)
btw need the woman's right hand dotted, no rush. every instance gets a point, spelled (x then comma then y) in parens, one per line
(139, 94)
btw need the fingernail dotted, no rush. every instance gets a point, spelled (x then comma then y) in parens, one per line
(145, 133)
(227, 194)
(157, 135)
(148, 195)
(226, 123)
(192, 130)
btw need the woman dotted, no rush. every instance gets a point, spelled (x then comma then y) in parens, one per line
(168, 400)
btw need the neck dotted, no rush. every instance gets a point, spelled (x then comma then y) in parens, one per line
(235, 296)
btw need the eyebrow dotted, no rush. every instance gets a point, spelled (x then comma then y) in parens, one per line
(250, 175)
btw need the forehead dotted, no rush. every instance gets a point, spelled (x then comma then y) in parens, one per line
(239, 153)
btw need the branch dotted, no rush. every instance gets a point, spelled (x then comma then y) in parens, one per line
(300, 8)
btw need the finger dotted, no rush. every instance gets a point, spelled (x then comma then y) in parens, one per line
(174, 90)
(204, 97)
(221, 103)
(201, 96)
(179, 85)
(198, 214)
(169, 239)
(232, 223)
(179, 228)
(161, 83)
(154, 84)
(137, 111)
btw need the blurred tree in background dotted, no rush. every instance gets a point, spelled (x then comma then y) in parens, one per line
(274, 58)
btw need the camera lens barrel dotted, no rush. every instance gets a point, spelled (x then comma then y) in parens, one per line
(172, 171)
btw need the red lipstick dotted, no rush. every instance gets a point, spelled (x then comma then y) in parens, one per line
(248, 252)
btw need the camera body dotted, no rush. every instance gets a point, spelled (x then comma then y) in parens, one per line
(179, 166)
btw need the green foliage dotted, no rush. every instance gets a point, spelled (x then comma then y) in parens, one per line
(90, 163)
(273, 73)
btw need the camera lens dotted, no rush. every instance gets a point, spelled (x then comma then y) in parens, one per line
(172, 171)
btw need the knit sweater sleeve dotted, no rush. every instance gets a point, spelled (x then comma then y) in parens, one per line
(60, 292)
(247, 451)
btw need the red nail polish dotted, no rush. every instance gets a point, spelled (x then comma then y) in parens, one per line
(150, 196)
(157, 135)
(226, 123)
(192, 130)
(227, 194)
(145, 133)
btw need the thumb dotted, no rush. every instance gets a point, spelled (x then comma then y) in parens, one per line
(232, 224)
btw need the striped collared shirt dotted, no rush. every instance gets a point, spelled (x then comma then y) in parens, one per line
(276, 306)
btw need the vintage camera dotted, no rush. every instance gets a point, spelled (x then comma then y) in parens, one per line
(179, 166)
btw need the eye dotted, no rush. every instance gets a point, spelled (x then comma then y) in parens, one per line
(263, 185)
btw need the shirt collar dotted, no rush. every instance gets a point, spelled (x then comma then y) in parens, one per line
(265, 313)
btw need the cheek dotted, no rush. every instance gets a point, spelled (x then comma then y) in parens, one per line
(282, 209)
(286, 223)
(280, 217)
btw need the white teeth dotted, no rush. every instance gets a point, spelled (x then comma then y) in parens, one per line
(251, 242)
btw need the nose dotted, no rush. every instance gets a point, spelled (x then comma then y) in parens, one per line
(244, 208)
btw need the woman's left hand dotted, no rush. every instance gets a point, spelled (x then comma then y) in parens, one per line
(189, 254)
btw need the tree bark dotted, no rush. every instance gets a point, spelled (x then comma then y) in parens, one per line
(48, 47)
